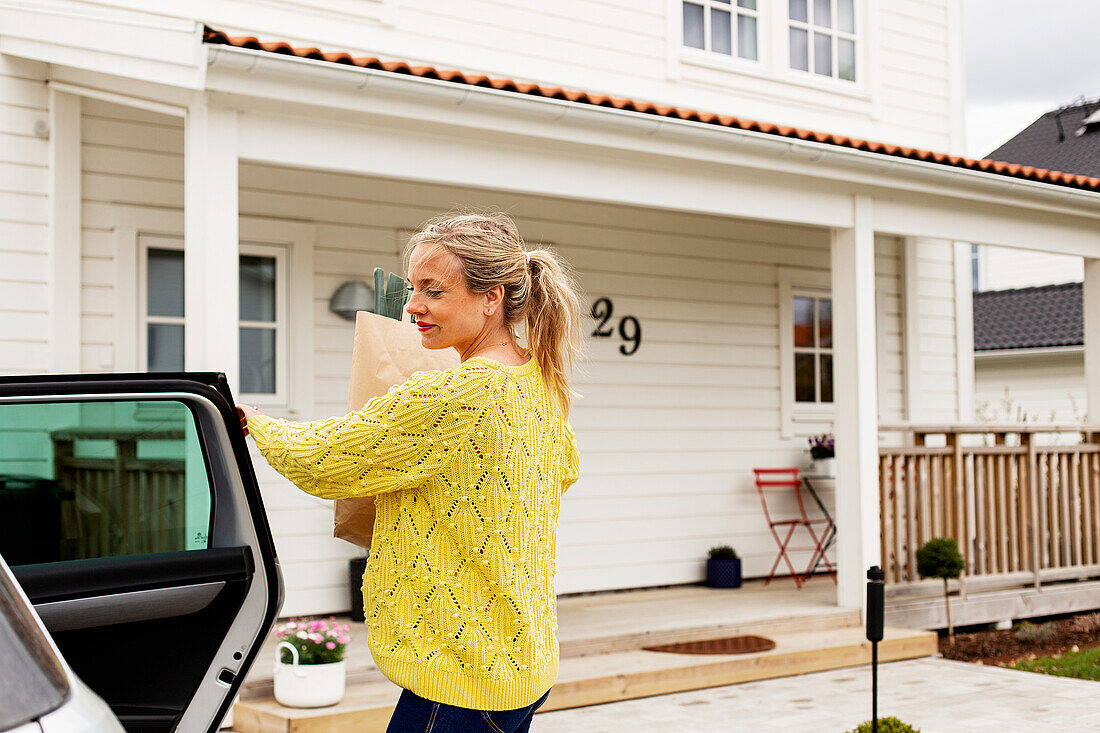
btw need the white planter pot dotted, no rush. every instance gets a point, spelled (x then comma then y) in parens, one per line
(308, 685)
(825, 466)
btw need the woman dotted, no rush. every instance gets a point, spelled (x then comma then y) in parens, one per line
(468, 466)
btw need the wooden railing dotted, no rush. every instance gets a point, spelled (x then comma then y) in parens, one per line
(122, 505)
(1021, 501)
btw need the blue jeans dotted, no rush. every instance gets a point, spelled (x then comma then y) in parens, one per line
(414, 714)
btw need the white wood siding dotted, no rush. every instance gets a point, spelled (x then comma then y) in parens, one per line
(1001, 268)
(1036, 388)
(907, 80)
(936, 342)
(24, 219)
(890, 328)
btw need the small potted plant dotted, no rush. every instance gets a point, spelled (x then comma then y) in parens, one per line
(310, 670)
(723, 567)
(823, 453)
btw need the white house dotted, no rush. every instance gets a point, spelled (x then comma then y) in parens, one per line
(186, 185)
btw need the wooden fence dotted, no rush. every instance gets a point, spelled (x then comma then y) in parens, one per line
(123, 505)
(1021, 501)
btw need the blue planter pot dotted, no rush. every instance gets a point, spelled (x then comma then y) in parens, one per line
(723, 573)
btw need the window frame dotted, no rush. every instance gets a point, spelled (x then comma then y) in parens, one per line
(685, 63)
(147, 241)
(706, 55)
(279, 254)
(834, 31)
(800, 418)
(817, 351)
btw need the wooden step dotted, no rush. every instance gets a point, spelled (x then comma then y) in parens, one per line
(587, 639)
(575, 645)
(599, 678)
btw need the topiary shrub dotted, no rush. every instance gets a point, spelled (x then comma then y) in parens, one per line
(940, 558)
(885, 725)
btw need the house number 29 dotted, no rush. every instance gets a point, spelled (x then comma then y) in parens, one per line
(629, 330)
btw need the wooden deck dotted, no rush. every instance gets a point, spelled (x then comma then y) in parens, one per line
(601, 636)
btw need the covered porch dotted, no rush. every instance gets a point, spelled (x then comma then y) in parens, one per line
(699, 230)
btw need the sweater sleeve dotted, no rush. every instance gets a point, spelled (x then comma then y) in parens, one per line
(397, 441)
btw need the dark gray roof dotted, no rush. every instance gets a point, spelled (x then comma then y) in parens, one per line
(1027, 318)
(1041, 144)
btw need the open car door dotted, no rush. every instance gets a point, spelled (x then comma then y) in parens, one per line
(131, 517)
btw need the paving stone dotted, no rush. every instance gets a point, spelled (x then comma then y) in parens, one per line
(933, 694)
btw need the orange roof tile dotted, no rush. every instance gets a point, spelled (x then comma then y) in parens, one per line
(1013, 170)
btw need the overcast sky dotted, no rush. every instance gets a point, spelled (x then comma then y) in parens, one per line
(1024, 58)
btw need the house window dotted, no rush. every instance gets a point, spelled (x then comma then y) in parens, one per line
(164, 310)
(822, 37)
(805, 351)
(974, 268)
(812, 348)
(259, 324)
(262, 315)
(722, 27)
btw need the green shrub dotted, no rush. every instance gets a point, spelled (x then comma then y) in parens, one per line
(939, 558)
(723, 552)
(886, 725)
(1027, 631)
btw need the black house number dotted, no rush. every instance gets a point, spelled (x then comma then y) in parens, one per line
(629, 329)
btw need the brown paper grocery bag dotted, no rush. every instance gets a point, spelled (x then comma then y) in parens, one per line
(386, 352)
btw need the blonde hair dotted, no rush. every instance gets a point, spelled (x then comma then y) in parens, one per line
(539, 287)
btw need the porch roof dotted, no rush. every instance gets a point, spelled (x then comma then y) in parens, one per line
(1012, 170)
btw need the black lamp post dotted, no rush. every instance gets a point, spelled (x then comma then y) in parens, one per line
(875, 602)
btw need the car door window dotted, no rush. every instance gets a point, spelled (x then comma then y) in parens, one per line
(99, 479)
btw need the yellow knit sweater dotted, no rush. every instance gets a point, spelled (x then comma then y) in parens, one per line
(468, 466)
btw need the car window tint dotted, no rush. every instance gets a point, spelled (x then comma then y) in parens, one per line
(31, 675)
(102, 478)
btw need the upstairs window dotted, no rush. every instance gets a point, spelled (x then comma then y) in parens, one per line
(722, 27)
(823, 37)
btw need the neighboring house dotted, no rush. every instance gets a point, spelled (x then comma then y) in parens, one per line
(1029, 355)
(187, 187)
(1066, 139)
(1033, 366)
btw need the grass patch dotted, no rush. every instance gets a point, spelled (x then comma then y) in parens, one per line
(1084, 665)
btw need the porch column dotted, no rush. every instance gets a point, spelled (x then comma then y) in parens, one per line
(855, 399)
(1091, 294)
(211, 249)
(911, 286)
(934, 399)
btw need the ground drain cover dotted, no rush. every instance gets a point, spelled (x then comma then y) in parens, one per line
(728, 645)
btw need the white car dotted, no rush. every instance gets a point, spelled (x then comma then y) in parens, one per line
(131, 522)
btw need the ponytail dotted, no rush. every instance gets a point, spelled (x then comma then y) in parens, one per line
(552, 319)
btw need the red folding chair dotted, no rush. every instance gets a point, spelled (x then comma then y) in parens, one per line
(771, 479)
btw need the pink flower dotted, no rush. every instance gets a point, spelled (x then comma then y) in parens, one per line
(330, 645)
